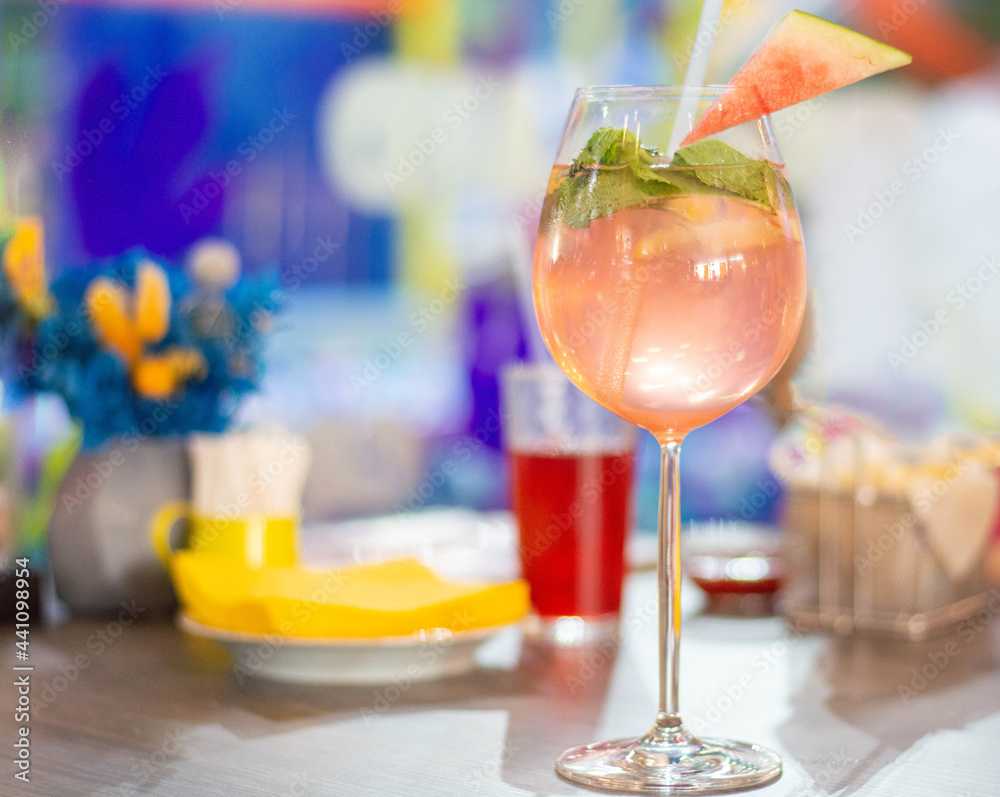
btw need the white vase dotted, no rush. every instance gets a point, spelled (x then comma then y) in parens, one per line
(99, 539)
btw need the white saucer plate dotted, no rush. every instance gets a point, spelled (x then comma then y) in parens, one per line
(427, 656)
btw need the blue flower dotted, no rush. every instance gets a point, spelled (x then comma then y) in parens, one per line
(96, 383)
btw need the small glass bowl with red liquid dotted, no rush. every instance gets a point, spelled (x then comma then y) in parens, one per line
(739, 566)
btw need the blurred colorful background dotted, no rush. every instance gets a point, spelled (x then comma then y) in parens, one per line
(382, 163)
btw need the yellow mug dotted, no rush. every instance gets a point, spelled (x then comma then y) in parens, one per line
(255, 540)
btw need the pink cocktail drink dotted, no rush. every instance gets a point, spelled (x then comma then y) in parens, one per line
(670, 290)
(672, 312)
(670, 286)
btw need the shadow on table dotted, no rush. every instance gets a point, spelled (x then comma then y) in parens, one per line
(893, 692)
(554, 697)
(564, 705)
(281, 702)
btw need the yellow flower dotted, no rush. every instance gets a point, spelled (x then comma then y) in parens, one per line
(24, 266)
(127, 330)
(107, 307)
(158, 376)
(117, 328)
(152, 302)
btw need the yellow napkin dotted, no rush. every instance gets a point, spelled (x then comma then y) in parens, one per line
(397, 598)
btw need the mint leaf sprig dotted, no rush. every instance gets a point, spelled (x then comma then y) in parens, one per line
(705, 167)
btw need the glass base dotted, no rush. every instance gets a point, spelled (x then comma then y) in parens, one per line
(573, 631)
(669, 761)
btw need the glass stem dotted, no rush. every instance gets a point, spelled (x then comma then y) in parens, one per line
(668, 572)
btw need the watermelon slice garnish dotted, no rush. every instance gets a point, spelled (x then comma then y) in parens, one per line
(804, 56)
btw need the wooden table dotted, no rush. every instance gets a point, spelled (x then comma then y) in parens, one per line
(144, 710)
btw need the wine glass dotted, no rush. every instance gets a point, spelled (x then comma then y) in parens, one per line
(670, 290)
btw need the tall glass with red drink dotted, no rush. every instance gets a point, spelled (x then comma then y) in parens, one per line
(571, 464)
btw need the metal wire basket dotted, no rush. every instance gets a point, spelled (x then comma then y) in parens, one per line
(861, 558)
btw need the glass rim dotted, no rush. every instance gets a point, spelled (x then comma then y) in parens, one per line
(602, 92)
(674, 94)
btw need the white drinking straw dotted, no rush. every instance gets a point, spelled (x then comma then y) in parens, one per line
(708, 26)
